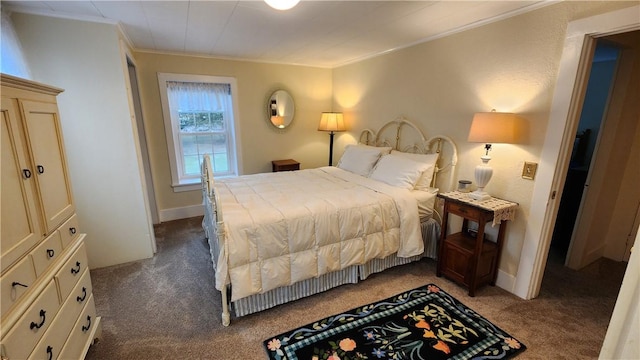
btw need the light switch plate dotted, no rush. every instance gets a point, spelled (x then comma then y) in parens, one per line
(529, 170)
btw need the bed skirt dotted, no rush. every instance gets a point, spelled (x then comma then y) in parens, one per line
(299, 290)
(431, 238)
(351, 275)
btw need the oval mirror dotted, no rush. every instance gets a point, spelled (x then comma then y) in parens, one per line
(280, 109)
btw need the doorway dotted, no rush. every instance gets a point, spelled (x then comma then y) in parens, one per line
(596, 100)
(607, 211)
(554, 159)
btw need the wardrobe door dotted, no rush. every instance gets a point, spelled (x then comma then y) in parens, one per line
(47, 150)
(19, 220)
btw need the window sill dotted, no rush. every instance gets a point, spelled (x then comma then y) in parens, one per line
(187, 186)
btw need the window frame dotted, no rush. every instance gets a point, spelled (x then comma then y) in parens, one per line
(172, 129)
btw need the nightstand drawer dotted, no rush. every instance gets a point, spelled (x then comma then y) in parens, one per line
(464, 211)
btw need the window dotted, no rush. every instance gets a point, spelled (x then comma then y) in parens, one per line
(199, 119)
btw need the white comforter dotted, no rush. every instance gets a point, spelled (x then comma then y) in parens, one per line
(285, 227)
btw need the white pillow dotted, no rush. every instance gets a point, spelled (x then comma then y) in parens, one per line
(384, 150)
(424, 182)
(398, 171)
(360, 159)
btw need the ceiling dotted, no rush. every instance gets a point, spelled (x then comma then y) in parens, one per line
(314, 33)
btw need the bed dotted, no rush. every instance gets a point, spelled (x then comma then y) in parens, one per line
(278, 237)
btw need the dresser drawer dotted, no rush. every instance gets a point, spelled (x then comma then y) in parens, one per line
(81, 333)
(71, 272)
(80, 293)
(48, 348)
(53, 340)
(15, 283)
(46, 253)
(24, 335)
(69, 230)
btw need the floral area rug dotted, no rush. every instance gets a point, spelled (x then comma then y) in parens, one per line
(425, 323)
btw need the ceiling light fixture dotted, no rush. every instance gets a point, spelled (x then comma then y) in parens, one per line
(282, 4)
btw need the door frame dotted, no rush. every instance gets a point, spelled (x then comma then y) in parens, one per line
(565, 110)
(149, 197)
(590, 241)
(142, 138)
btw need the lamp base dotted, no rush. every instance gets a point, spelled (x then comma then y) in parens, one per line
(479, 195)
(482, 174)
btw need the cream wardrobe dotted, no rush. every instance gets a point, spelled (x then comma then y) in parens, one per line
(47, 309)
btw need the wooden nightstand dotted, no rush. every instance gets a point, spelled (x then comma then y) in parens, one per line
(467, 258)
(284, 165)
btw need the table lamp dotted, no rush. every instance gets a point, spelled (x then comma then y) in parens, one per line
(490, 127)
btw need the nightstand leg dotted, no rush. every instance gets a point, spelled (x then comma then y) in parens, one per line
(475, 260)
(443, 235)
(499, 242)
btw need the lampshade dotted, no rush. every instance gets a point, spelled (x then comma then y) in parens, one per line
(331, 121)
(282, 4)
(494, 127)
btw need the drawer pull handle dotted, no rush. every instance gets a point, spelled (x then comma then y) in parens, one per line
(72, 230)
(84, 295)
(49, 352)
(50, 253)
(26, 173)
(15, 283)
(42, 320)
(76, 269)
(85, 328)
(40, 169)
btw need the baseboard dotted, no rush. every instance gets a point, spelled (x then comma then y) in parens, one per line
(181, 213)
(506, 281)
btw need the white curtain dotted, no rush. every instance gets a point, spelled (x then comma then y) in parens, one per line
(186, 96)
(193, 140)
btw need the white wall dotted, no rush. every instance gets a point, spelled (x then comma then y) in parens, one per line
(84, 59)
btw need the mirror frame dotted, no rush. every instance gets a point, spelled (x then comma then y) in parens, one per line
(280, 109)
